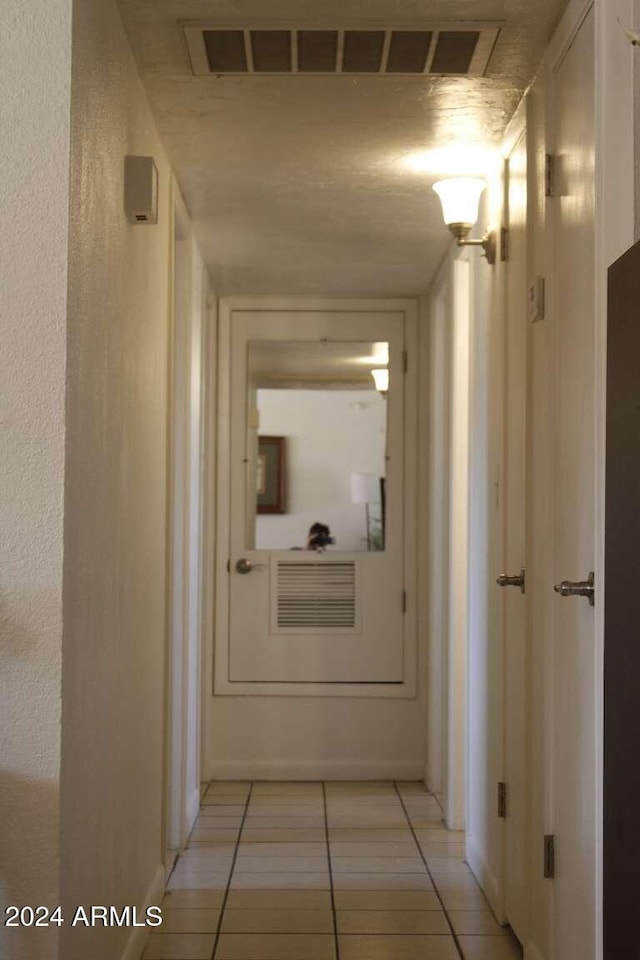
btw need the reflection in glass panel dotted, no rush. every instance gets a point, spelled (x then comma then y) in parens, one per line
(316, 441)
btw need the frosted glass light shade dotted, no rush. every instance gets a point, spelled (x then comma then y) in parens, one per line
(381, 379)
(460, 198)
(365, 488)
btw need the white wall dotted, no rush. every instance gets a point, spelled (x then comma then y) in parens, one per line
(329, 434)
(458, 617)
(35, 69)
(439, 349)
(464, 734)
(450, 344)
(190, 291)
(115, 498)
(317, 737)
(199, 294)
(484, 694)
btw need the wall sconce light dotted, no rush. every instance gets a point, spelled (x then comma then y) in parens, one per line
(381, 380)
(460, 199)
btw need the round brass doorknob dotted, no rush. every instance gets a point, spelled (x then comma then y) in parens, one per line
(504, 580)
(244, 565)
(578, 588)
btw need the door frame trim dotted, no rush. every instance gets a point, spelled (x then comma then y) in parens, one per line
(222, 686)
(615, 188)
(175, 800)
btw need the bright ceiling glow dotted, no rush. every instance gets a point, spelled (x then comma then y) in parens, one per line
(379, 356)
(457, 160)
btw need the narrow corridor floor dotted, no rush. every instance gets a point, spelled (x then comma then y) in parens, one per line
(325, 871)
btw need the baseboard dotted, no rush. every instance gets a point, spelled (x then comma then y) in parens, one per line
(485, 877)
(426, 775)
(432, 783)
(138, 935)
(532, 951)
(296, 770)
(193, 806)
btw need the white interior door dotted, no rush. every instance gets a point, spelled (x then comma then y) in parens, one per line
(574, 655)
(516, 866)
(301, 380)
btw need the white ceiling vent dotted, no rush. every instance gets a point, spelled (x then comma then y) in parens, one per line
(314, 596)
(450, 49)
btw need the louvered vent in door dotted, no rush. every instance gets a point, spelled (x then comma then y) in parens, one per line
(318, 596)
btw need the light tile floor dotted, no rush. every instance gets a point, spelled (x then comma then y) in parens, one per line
(325, 871)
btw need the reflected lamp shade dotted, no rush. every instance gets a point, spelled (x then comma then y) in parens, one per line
(365, 488)
(381, 379)
(460, 199)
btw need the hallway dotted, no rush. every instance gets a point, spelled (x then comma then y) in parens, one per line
(333, 871)
(173, 222)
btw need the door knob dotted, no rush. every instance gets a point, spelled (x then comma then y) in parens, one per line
(244, 565)
(506, 581)
(578, 588)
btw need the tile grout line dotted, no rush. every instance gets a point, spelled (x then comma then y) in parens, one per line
(426, 866)
(233, 864)
(332, 892)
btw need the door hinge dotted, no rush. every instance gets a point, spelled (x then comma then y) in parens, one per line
(404, 601)
(549, 863)
(549, 175)
(504, 244)
(405, 361)
(502, 800)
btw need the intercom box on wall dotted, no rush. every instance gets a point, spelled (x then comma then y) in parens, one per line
(141, 189)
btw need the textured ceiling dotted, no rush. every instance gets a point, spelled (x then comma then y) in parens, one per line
(297, 184)
(311, 364)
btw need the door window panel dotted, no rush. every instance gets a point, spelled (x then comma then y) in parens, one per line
(316, 446)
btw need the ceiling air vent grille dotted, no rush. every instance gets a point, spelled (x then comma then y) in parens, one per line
(454, 51)
(316, 595)
(451, 49)
(225, 51)
(409, 51)
(271, 51)
(362, 51)
(317, 51)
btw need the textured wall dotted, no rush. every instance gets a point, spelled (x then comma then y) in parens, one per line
(113, 656)
(35, 69)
